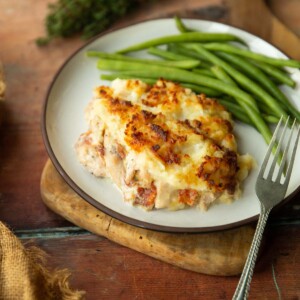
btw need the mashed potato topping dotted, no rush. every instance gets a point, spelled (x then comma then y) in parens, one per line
(162, 145)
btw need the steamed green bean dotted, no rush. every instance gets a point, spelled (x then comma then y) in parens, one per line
(186, 37)
(276, 73)
(206, 72)
(260, 77)
(169, 55)
(256, 56)
(237, 111)
(181, 26)
(242, 80)
(222, 75)
(187, 63)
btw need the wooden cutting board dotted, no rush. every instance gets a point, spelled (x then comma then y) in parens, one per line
(219, 253)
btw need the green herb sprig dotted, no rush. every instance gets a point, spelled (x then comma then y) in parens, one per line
(86, 17)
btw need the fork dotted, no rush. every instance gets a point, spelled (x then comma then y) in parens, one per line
(269, 192)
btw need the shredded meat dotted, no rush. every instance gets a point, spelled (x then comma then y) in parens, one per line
(146, 196)
(188, 196)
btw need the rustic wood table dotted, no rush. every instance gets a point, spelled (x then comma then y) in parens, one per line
(106, 270)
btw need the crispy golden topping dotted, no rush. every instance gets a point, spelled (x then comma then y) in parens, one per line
(220, 173)
(146, 196)
(164, 137)
(149, 131)
(164, 94)
(188, 196)
(210, 104)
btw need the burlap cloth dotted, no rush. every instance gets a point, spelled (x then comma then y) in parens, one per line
(23, 271)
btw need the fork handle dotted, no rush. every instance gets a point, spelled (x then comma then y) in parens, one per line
(242, 289)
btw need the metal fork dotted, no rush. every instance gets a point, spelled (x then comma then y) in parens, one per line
(270, 192)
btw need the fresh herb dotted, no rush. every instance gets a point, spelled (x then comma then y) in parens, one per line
(86, 17)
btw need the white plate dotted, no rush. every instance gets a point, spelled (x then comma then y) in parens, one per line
(63, 122)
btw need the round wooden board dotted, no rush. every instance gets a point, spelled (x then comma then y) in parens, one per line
(219, 253)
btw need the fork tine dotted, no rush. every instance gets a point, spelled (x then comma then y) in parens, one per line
(271, 145)
(284, 157)
(291, 163)
(278, 151)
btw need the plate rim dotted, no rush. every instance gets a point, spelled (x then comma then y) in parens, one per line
(112, 213)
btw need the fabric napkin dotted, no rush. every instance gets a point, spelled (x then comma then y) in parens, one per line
(23, 274)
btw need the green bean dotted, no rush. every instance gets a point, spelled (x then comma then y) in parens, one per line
(270, 119)
(242, 80)
(260, 77)
(183, 50)
(180, 75)
(180, 25)
(230, 102)
(175, 56)
(183, 64)
(167, 54)
(222, 75)
(255, 73)
(265, 113)
(256, 56)
(239, 114)
(202, 89)
(240, 109)
(206, 72)
(236, 111)
(186, 37)
(260, 104)
(276, 73)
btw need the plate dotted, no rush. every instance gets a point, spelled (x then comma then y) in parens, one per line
(63, 122)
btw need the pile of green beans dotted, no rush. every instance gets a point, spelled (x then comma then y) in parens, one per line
(216, 64)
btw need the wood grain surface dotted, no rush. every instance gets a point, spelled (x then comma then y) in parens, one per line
(105, 269)
(2, 92)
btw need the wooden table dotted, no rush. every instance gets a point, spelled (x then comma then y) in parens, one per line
(104, 269)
